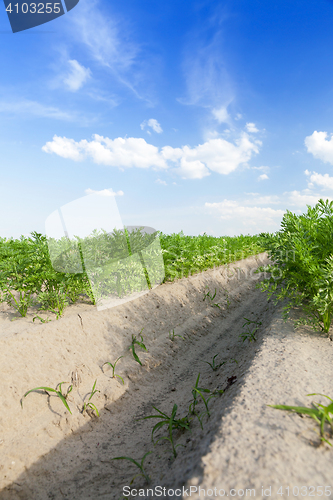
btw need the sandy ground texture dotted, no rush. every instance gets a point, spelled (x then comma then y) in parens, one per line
(244, 449)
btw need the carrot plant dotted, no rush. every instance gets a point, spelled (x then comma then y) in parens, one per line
(138, 464)
(113, 366)
(186, 255)
(58, 392)
(140, 343)
(302, 264)
(320, 413)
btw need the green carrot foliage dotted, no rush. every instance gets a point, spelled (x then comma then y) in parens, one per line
(302, 264)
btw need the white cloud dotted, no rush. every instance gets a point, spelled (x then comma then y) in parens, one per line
(324, 181)
(153, 124)
(238, 116)
(221, 115)
(318, 145)
(77, 76)
(220, 155)
(193, 169)
(256, 217)
(263, 177)
(104, 192)
(251, 128)
(264, 200)
(66, 148)
(159, 181)
(217, 155)
(296, 198)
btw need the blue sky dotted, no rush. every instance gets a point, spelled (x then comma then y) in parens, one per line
(202, 116)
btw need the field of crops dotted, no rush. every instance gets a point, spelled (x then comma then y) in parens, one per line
(190, 357)
(35, 271)
(302, 264)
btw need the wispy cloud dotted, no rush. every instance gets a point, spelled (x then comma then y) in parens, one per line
(207, 79)
(76, 76)
(104, 192)
(109, 43)
(159, 181)
(32, 108)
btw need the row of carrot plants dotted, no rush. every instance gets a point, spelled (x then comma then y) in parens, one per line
(301, 269)
(31, 277)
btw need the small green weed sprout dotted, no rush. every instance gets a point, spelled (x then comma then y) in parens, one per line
(194, 394)
(139, 465)
(319, 413)
(47, 320)
(200, 390)
(89, 404)
(173, 335)
(59, 393)
(227, 299)
(211, 297)
(135, 341)
(171, 422)
(213, 366)
(113, 366)
(250, 335)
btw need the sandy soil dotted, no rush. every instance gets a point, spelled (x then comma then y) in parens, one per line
(47, 453)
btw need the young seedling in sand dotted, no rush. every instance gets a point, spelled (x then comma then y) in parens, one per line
(135, 341)
(47, 320)
(171, 422)
(59, 393)
(319, 413)
(89, 404)
(250, 335)
(211, 297)
(195, 392)
(173, 335)
(113, 366)
(227, 297)
(139, 465)
(200, 390)
(213, 366)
